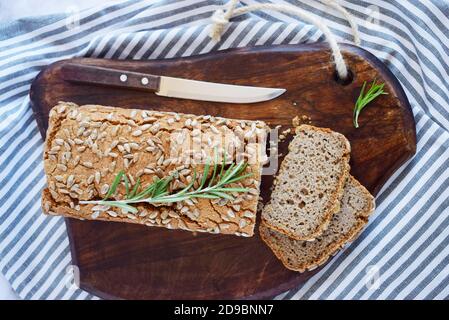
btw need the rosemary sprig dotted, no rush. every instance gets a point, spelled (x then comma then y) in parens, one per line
(364, 98)
(157, 192)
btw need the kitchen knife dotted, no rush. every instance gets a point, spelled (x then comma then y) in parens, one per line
(168, 86)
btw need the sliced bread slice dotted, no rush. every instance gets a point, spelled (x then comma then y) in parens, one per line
(298, 255)
(309, 185)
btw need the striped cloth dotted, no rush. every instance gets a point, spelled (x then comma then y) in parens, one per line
(403, 253)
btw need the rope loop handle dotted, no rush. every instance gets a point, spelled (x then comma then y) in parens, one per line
(221, 18)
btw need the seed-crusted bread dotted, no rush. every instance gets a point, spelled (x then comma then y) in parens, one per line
(299, 255)
(86, 146)
(309, 184)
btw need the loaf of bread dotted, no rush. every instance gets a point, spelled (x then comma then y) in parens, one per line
(298, 255)
(86, 146)
(309, 185)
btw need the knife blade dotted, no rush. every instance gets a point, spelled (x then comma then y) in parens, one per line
(168, 86)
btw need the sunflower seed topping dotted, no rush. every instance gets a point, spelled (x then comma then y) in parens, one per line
(70, 181)
(87, 164)
(155, 128)
(61, 108)
(133, 145)
(104, 188)
(127, 147)
(97, 177)
(61, 167)
(112, 213)
(145, 127)
(153, 215)
(115, 130)
(224, 226)
(137, 133)
(243, 223)
(214, 129)
(100, 208)
(90, 179)
(249, 214)
(95, 214)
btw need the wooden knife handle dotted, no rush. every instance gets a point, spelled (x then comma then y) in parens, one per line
(109, 77)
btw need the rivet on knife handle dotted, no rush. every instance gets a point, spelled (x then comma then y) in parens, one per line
(109, 77)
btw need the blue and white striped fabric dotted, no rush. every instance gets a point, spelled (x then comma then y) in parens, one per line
(403, 253)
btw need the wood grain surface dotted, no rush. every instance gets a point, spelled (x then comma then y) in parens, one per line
(125, 261)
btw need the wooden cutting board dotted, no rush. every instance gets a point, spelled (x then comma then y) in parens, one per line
(119, 260)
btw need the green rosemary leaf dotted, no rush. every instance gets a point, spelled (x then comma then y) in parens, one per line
(134, 190)
(205, 196)
(156, 185)
(238, 178)
(169, 199)
(190, 185)
(163, 194)
(114, 185)
(361, 95)
(125, 178)
(147, 191)
(214, 173)
(233, 172)
(231, 189)
(222, 195)
(223, 165)
(364, 99)
(227, 172)
(205, 175)
(122, 205)
(162, 185)
(242, 168)
(157, 192)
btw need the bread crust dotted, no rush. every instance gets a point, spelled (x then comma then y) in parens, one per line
(351, 235)
(334, 202)
(78, 166)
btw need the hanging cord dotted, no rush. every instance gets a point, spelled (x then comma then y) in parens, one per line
(221, 18)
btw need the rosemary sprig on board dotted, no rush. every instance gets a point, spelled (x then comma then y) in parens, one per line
(157, 192)
(364, 98)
